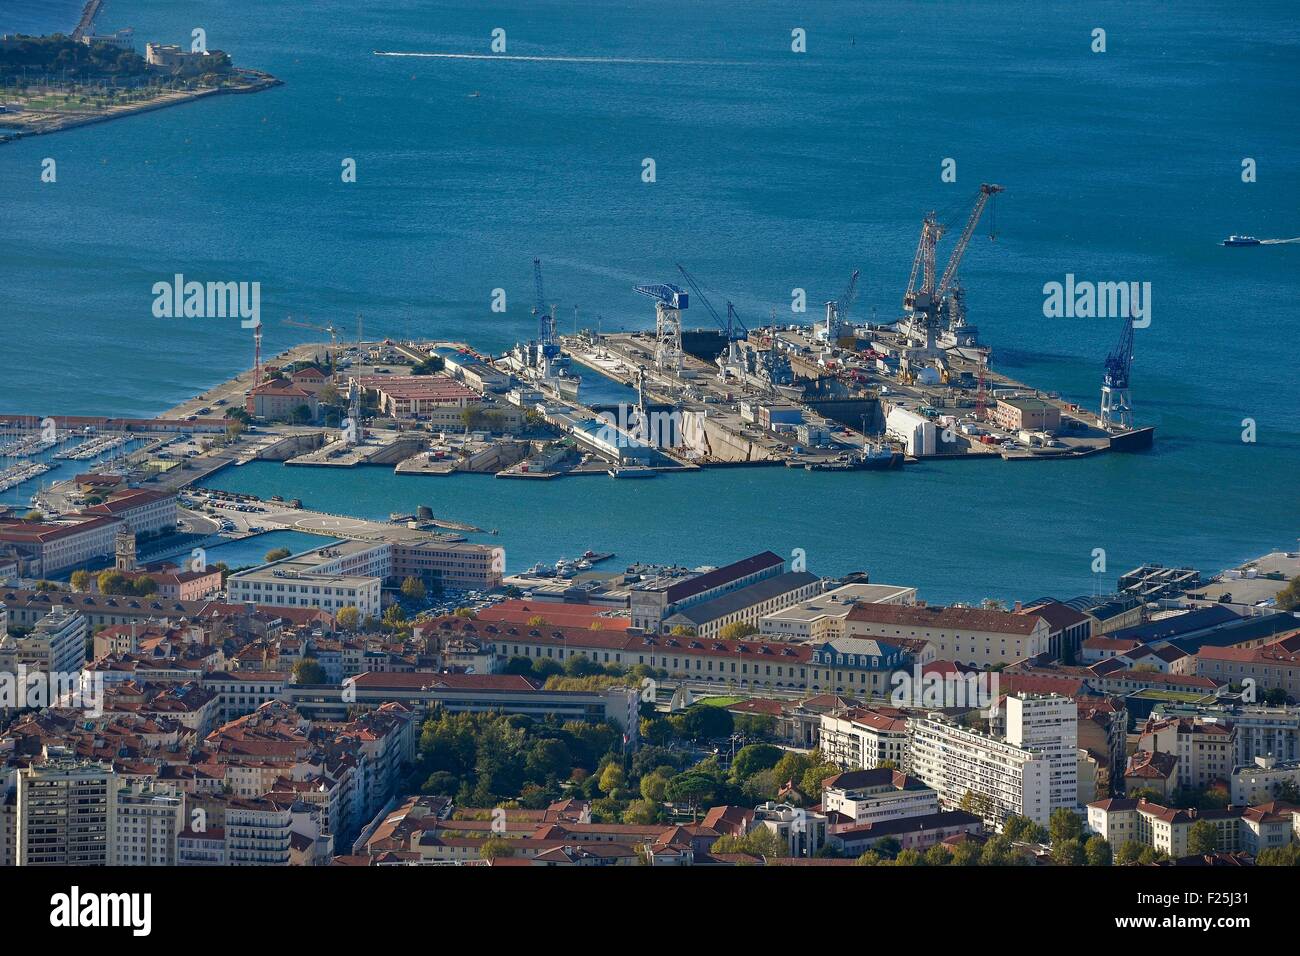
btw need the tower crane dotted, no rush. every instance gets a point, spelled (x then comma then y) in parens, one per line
(837, 310)
(329, 330)
(926, 302)
(732, 327)
(923, 265)
(1116, 408)
(545, 316)
(986, 192)
(670, 300)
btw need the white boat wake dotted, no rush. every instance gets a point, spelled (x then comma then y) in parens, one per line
(1278, 242)
(557, 59)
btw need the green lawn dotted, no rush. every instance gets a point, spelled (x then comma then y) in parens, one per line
(719, 701)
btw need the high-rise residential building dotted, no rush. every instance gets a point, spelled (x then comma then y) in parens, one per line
(146, 821)
(1049, 725)
(65, 813)
(1030, 772)
(56, 645)
(258, 832)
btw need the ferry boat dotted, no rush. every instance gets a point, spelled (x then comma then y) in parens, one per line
(631, 471)
(1241, 241)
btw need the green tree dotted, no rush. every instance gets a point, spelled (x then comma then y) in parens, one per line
(760, 841)
(1068, 853)
(692, 788)
(938, 855)
(909, 858)
(1202, 838)
(1288, 599)
(654, 787)
(641, 813)
(977, 804)
(1130, 851)
(1064, 825)
(1020, 829)
(967, 854)
(309, 671)
(752, 758)
(703, 722)
(737, 631)
(888, 847)
(348, 618)
(612, 779)
(80, 580)
(1097, 851)
(811, 782)
(495, 847)
(111, 582)
(277, 554)
(549, 759)
(413, 589)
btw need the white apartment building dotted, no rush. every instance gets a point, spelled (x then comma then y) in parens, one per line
(1206, 747)
(803, 831)
(258, 832)
(1261, 731)
(745, 605)
(56, 645)
(146, 821)
(873, 796)
(1031, 777)
(1251, 829)
(1049, 725)
(275, 587)
(352, 573)
(821, 618)
(963, 635)
(863, 738)
(1261, 781)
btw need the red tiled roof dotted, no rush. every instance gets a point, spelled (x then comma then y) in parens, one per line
(944, 618)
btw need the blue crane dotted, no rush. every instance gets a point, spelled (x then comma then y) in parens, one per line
(1116, 410)
(733, 327)
(673, 296)
(545, 317)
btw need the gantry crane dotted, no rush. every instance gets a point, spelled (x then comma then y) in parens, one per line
(670, 300)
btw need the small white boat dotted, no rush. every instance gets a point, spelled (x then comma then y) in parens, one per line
(631, 471)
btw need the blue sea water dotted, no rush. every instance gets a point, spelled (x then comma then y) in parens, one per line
(246, 552)
(774, 170)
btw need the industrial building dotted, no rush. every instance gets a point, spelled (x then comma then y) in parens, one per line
(1026, 413)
